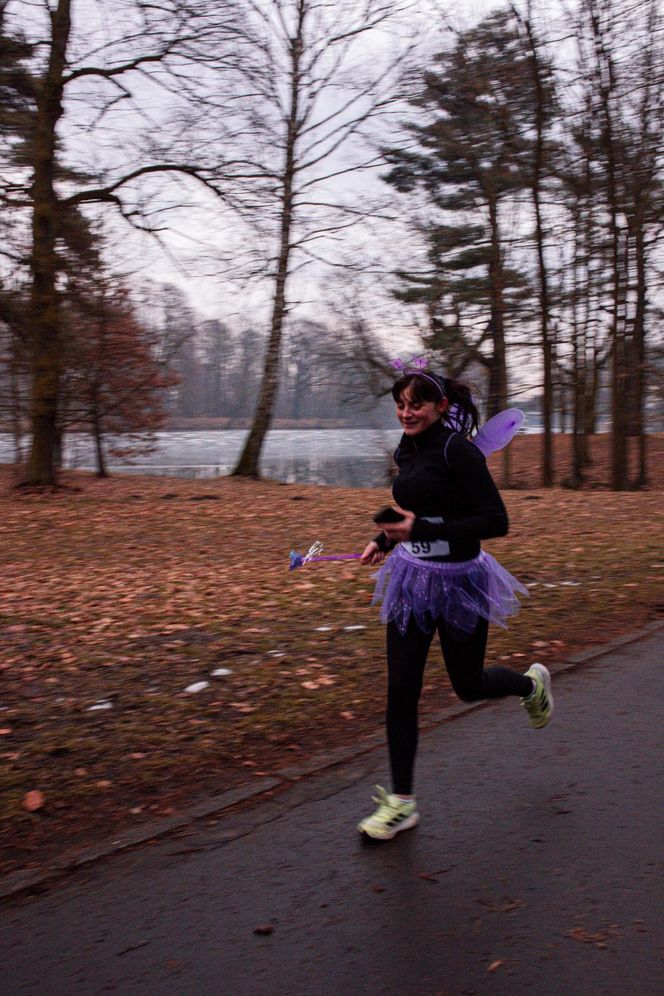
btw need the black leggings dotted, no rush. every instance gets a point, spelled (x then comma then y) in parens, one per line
(464, 660)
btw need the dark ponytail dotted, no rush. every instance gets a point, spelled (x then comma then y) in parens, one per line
(461, 414)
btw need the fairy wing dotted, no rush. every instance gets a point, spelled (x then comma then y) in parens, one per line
(499, 430)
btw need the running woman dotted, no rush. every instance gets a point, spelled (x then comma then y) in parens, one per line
(439, 580)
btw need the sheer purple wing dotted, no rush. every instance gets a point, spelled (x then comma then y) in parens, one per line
(499, 430)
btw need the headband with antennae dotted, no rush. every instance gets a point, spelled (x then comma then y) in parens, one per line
(416, 367)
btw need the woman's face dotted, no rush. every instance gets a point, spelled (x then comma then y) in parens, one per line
(416, 416)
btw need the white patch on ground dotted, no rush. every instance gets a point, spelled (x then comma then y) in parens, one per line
(197, 686)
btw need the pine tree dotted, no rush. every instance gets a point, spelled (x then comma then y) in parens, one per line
(473, 153)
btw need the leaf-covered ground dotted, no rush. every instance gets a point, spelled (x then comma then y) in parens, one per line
(121, 595)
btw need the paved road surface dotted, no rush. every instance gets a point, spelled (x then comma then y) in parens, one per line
(537, 869)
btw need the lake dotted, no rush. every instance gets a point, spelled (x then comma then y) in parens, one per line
(355, 458)
(346, 457)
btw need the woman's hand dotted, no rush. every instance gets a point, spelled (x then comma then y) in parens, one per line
(372, 554)
(399, 532)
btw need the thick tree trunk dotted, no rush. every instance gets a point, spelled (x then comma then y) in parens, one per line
(58, 448)
(45, 320)
(99, 447)
(248, 463)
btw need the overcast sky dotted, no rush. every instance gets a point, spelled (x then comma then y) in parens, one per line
(203, 233)
(204, 248)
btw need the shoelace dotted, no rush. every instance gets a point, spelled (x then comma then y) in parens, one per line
(382, 800)
(382, 797)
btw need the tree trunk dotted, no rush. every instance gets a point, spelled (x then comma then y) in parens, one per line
(563, 407)
(58, 448)
(248, 463)
(639, 354)
(578, 338)
(578, 408)
(578, 435)
(619, 414)
(592, 395)
(536, 190)
(45, 326)
(99, 446)
(17, 409)
(605, 87)
(497, 400)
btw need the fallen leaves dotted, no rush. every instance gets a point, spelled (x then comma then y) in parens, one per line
(33, 801)
(598, 937)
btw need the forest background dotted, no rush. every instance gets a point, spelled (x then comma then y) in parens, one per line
(336, 184)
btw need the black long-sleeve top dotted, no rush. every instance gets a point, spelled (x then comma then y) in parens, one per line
(442, 474)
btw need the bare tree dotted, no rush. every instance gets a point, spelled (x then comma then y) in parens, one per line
(543, 112)
(71, 68)
(308, 87)
(626, 41)
(643, 199)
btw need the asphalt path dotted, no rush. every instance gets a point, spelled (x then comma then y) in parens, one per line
(537, 868)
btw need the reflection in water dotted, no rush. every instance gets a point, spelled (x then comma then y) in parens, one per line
(363, 472)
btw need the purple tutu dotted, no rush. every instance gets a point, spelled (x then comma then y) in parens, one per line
(460, 592)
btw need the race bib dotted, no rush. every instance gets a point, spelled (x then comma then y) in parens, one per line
(428, 548)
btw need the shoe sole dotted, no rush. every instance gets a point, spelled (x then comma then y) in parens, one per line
(408, 823)
(546, 678)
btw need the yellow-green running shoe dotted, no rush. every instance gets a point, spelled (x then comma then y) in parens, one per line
(392, 815)
(539, 704)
